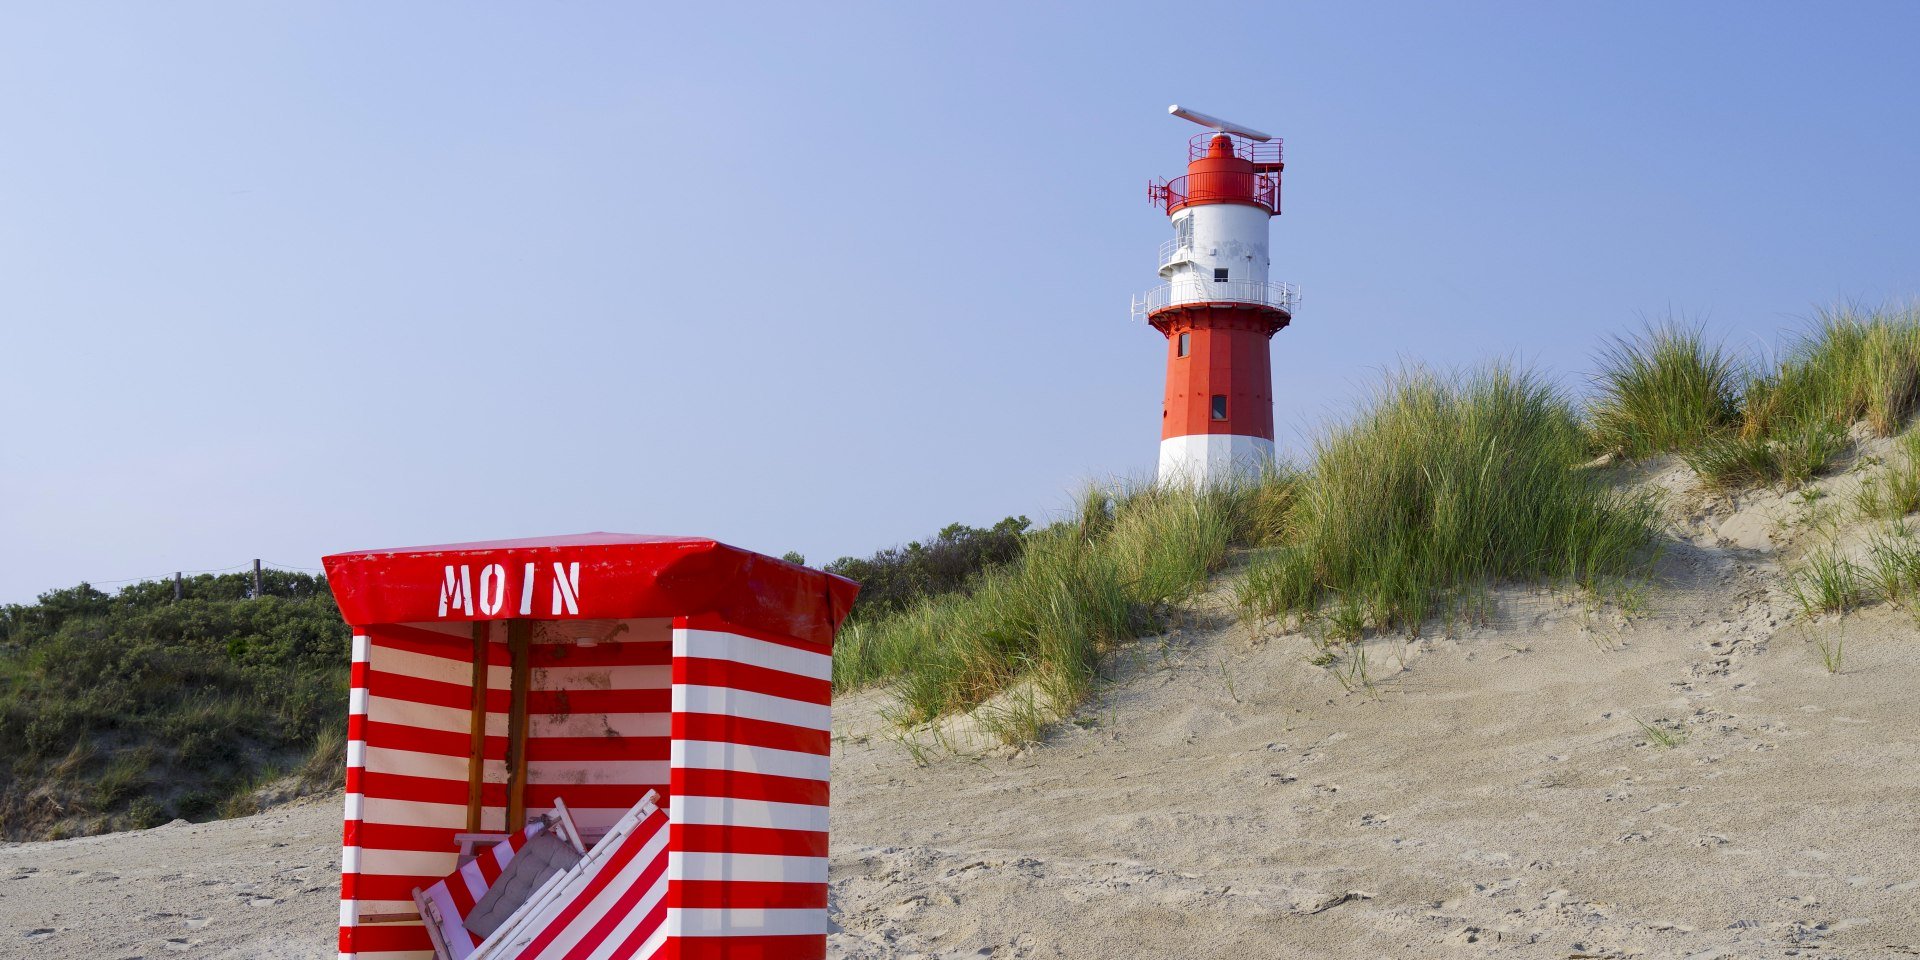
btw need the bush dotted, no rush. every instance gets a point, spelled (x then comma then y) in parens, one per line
(1441, 485)
(897, 577)
(109, 702)
(1662, 391)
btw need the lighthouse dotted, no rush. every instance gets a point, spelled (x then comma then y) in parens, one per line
(1216, 306)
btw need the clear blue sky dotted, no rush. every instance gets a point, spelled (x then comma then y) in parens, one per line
(280, 280)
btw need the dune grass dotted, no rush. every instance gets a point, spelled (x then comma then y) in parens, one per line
(1896, 492)
(1038, 625)
(1827, 582)
(1854, 366)
(1797, 453)
(1441, 485)
(1663, 390)
(1741, 425)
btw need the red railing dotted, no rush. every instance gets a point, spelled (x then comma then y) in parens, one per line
(1261, 188)
(1258, 153)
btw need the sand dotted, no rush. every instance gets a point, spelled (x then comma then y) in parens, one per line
(1491, 792)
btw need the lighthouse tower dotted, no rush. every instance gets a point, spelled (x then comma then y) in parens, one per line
(1217, 308)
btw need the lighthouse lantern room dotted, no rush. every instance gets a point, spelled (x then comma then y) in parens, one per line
(1217, 306)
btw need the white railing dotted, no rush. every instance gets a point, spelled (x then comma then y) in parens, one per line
(1175, 250)
(1266, 293)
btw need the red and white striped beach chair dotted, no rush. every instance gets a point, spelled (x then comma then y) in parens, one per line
(612, 905)
(447, 907)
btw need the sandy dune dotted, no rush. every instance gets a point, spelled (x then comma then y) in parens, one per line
(1494, 793)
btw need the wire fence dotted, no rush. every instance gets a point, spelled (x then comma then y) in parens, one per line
(170, 575)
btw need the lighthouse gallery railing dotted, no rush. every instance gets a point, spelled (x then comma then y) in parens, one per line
(1266, 293)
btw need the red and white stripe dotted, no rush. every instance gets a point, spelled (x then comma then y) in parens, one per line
(731, 725)
(416, 735)
(356, 802)
(747, 867)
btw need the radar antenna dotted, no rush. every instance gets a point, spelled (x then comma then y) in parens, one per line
(1224, 126)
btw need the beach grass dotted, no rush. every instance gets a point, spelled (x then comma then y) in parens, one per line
(1854, 366)
(1664, 389)
(1895, 492)
(1826, 582)
(1440, 485)
(1106, 574)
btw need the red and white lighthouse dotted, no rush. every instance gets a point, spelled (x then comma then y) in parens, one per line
(1217, 308)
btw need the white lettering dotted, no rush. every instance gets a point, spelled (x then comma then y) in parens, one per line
(456, 593)
(493, 588)
(526, 592)
(566, 588)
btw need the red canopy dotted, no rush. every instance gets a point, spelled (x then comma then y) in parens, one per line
(589, 576)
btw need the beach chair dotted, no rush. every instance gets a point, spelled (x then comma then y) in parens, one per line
(497, 874)
(612, 903)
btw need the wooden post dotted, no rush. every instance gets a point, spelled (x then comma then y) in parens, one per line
(176, 586)
(477, 755)
(256, 579)
(519, 645)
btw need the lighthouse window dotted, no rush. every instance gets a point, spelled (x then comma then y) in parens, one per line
(1219, 406)
(1219, 274)
(1183, 232)
(1185, 342)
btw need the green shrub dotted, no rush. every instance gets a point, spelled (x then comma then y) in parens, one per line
(1663, 390)
(108, 702)
(1440, 485)
(895, 578)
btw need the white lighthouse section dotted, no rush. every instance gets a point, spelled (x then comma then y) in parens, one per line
(1218, 252)
(1229, 236)
(1204, 459)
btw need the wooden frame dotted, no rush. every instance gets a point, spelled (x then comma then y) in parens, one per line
(477, 750)
(520, 649)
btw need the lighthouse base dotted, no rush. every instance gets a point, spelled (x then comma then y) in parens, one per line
(1206, 459)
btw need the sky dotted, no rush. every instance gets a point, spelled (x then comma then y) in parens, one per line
(283, 280)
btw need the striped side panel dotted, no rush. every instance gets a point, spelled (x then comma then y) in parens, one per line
(751, 728)
(355, 807)
(414, 699)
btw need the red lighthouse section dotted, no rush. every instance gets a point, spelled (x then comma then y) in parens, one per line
(1219, 372)
(1218, 309)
